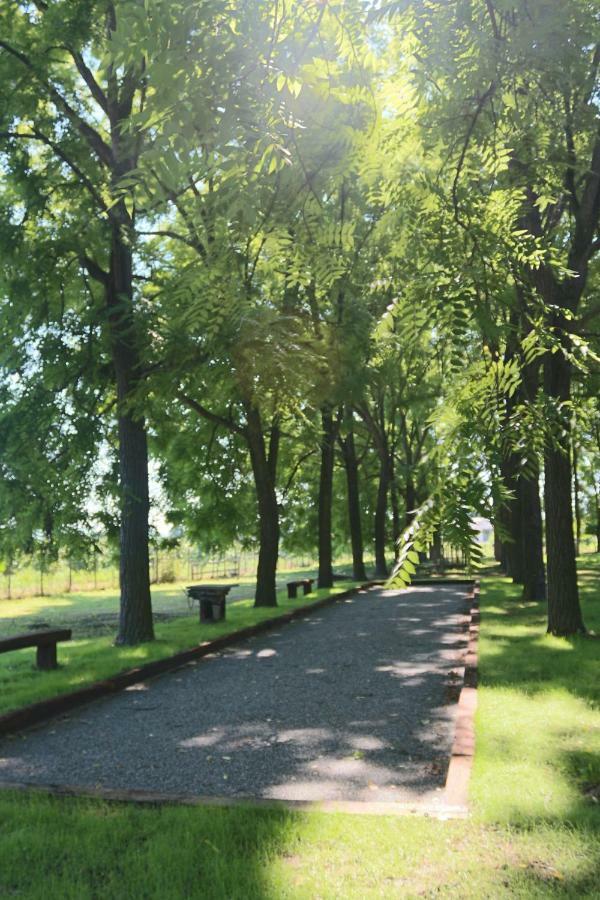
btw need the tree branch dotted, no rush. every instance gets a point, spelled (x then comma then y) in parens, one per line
(207, 414)
(494, 22)
(94, 270)
(295, 468)
(37, 135)
(87, 75)
(93, 139)
(461, 161)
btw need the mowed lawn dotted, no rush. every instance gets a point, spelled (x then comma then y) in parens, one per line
(534, 829)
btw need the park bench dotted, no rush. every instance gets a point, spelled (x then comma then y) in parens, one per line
(305, 583)
(45, 641)
(211, 599)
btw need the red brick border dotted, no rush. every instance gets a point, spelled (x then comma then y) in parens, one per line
(456, 790)
(35, 713)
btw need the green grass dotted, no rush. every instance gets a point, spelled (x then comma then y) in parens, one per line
(87, 660)
(534, 832)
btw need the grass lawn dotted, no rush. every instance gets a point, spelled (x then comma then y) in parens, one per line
(534, 832)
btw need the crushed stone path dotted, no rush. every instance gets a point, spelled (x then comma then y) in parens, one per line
(349, 703)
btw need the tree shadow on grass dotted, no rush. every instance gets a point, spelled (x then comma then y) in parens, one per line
(522, 655)
(56, 847)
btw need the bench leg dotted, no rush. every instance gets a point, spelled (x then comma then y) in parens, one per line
(292, 591)
(218, 610)
(206, 611)
(46, 657)
(307, 586)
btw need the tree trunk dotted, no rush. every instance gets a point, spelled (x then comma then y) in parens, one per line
(498, 556)
(135, 622)
(395, 502)
(597, 499)
(325, 578)
(532, 529)
(381, 569)
(354, 520)
(509, 516)
(516, 516)
(436, 550)
(564, 611)
(532, 548)
(264, 468)
(576, 495)
(410, 499)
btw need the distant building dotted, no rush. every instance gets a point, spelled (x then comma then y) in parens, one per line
(485, 529)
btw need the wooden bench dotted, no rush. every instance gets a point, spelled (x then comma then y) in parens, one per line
(45, 641)
(305, 583)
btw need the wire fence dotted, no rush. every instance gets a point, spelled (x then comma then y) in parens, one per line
(166, 567)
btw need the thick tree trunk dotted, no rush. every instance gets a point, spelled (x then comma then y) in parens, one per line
(395, 502)
(564, 611)
(135, 622)
(597, 499)
(354, 520)
(516, 520)
(381, 569)
(532, 528)
(532, 540)
(264, 468)
(436, 550)
(576, 496)
(497, 547)
(410, 499)
(509, 518)
(325, 578)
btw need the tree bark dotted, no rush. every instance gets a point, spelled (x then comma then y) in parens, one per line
(516, 519)
(264, 468)
(395, 503)
(410, 499)
(564, 611)
(597, 503)
(576, 496)
(532, 528)
(436, 550)
(352, 483)
(325, 577)
(381, 569)
(135, 620)
(509, 516)
(497, 547)
(532, 539)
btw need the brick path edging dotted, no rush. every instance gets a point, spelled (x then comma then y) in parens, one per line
(36, 713)
(456, 789)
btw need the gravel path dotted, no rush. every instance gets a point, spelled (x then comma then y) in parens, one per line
(346, 704)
